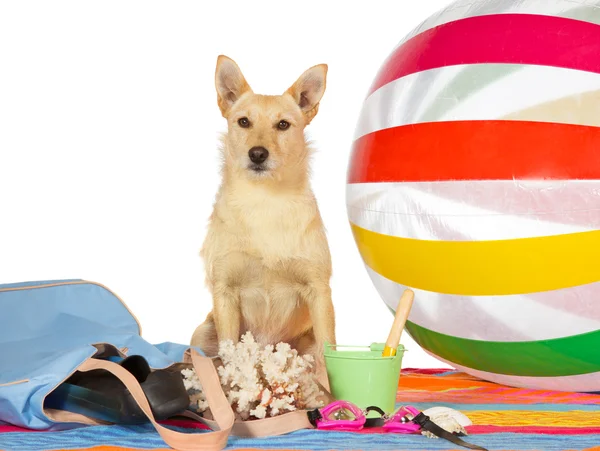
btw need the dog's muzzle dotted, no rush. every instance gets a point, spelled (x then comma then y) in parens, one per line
(258, 156)
(258, 168)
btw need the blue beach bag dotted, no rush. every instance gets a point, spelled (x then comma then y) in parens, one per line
(49, 330)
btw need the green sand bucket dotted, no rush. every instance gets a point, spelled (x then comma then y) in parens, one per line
(359, 374)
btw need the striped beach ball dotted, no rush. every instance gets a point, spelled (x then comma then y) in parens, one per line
(475, 181)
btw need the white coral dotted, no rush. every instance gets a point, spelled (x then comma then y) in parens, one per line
(261, 382)
(192, 384)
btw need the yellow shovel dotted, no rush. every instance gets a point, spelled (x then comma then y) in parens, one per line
(402, 311)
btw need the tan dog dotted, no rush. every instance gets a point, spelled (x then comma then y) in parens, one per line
(266, 255)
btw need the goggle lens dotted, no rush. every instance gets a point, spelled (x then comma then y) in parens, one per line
(341, 414)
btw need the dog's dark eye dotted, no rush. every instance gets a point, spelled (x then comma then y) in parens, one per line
(283, 125)
(244, 122)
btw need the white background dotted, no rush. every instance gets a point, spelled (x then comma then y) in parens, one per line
(108, 140)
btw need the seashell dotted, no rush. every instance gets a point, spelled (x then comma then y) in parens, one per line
(460, 417)
(447, 418)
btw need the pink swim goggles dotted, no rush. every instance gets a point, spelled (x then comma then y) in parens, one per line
(345, 416)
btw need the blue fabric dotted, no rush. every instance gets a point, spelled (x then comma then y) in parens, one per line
(145, 437)
(46, 332)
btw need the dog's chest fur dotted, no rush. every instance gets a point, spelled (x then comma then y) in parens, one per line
(272, 226)
(267, 248)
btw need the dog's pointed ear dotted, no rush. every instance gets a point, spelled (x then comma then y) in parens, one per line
(308, 90)
(230, 83)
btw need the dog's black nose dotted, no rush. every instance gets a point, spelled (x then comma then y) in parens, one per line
(258, 155)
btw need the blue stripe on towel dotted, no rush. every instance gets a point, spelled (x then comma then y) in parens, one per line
(144, 437)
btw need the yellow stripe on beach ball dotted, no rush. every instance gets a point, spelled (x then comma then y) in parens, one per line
(483, 268)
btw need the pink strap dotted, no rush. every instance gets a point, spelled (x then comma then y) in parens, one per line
(219, 406)
(279, 425)
(224, 419)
